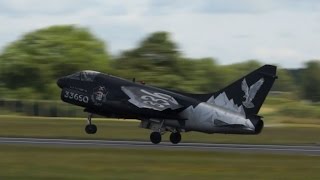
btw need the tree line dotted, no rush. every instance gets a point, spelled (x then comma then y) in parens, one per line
(30, 66)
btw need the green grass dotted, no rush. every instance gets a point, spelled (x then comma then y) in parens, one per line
(32, 162)
(12, 126)
(47, 162)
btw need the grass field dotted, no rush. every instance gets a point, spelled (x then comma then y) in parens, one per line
(12, 126)
(31, 162)
(48, 162)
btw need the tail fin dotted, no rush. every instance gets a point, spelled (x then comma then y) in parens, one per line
(247, 94)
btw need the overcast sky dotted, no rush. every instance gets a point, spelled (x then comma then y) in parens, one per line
(284, 32)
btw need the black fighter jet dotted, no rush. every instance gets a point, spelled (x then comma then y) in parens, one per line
(231, 110)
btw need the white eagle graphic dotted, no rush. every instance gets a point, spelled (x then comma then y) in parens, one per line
(250, 93)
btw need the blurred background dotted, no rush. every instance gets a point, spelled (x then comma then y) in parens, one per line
(31, 65)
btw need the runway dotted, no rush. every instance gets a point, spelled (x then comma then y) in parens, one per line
(284, 149)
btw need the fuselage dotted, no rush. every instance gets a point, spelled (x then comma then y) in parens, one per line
(105, 95)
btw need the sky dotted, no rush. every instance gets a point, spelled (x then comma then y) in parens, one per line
(282, 32)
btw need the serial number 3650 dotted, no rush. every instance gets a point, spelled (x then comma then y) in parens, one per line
(75, 96)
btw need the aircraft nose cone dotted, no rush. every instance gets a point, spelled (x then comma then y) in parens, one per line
(61, 82)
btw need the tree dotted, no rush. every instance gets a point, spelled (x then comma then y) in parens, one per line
(243, 68)
(235, 71)
(155, 57)
(157, 60)
(311, 81)
(200, 75)
(157, 49)
(285, 82)
(40, 57)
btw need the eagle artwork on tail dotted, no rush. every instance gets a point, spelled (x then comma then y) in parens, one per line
(250, 93)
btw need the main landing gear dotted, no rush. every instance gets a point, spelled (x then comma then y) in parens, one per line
(90, 128)
(158, 128)
(175, 137)
(155, 137)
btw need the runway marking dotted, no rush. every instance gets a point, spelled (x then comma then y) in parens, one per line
(292, 149)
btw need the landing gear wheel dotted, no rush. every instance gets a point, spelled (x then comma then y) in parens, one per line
(155, 137)
(175, 137)
(91, 129)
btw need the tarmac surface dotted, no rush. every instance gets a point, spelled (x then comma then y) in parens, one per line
(245, 148)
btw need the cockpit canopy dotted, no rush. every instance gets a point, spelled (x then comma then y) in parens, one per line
(86, 75)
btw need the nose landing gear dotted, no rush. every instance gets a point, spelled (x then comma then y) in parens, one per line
(90, 128)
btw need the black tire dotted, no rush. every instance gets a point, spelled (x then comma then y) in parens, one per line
(155, 137)
(175, 138)
(91, 129)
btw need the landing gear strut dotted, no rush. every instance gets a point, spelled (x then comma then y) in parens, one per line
(155, 137)
(90, 128)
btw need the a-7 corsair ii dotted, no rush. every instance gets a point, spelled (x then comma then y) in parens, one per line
(232, 110)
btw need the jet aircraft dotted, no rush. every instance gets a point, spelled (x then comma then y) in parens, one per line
(231, 110)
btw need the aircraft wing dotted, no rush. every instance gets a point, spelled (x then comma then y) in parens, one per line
(150, 99)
